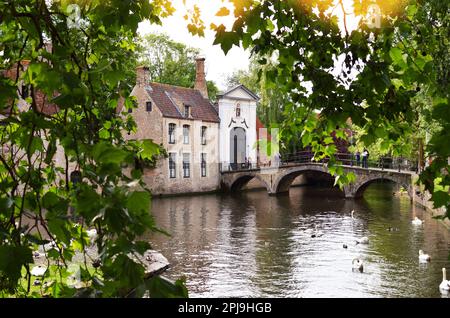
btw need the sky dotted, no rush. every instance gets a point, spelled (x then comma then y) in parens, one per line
(218, 65)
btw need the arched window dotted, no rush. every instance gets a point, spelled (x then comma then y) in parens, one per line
(186, 134)
(238, 110)
(172, 133)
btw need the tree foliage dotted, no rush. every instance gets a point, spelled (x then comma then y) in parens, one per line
(171, 62)
(82, 76)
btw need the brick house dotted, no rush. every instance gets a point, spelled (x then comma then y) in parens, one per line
(186, 124)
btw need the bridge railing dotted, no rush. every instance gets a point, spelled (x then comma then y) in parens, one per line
(348, 159)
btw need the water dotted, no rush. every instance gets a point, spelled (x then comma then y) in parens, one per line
(254, 245)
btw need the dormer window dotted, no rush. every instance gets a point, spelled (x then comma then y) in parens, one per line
(238, 110)
(187, 111)
(148, 106)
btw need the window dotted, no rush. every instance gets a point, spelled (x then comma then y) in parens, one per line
(203, 135)
(203, 164)
(186, 166)
(172, 133)
(187, 111)
(238, 110)
(186, 134)
(172, 165)
(148, 106)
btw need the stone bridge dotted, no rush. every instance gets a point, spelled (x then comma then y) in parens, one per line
(278, 180)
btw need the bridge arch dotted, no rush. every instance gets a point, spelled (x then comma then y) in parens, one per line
(362, 183)
(285, 179)
(237, 181)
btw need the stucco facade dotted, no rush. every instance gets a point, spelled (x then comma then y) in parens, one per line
(237, 110)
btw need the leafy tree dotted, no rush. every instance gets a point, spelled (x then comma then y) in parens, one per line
(171, 62)
(370, 75)
(84, 75)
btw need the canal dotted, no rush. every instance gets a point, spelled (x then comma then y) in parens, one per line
(254, 245)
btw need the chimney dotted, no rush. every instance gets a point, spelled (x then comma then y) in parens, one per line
(200, 79)
(142, 75)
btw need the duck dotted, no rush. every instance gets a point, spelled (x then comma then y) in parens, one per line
(393, 229)
(363, 240)
(424, 257)
(344, 246)
(358, 265)
(444, 287)
(417, 221)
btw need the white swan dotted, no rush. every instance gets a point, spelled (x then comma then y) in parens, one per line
(444, 287)
(358, 264)
(38, 270)
(363, 240)
(424, 257)
(417, 221)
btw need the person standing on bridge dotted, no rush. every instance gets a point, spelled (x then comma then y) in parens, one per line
(358, 158)
(365, 158)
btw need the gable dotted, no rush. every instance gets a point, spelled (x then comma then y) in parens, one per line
(240, 92)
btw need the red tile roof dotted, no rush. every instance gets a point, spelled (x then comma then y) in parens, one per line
(171, 101)
(42, 101)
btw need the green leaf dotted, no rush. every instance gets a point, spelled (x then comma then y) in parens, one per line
(226, 39)
(397, 57)
(138, 202)
(160, 287)
(440, 198)
(12, 258)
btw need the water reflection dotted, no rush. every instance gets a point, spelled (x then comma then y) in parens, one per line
(253, 245)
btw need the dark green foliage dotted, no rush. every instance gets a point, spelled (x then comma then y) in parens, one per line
(70, 122)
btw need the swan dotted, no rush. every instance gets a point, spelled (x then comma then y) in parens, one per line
(38, 271)
(363, 240)
(444, 287)
(424, 257)
(358, 264)
(417, 221)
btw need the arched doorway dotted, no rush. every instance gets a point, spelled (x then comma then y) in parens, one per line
(238, 145)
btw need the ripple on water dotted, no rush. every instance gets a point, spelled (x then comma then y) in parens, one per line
(253, 245)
